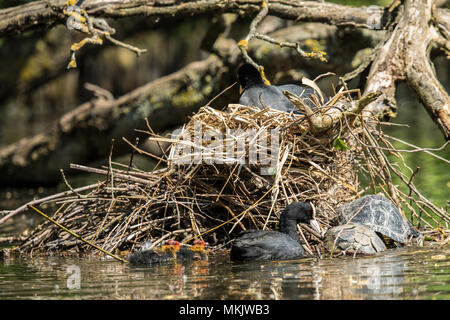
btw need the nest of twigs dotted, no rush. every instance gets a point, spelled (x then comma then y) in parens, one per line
(207, 190)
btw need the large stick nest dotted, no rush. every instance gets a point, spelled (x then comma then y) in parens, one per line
(221, 193)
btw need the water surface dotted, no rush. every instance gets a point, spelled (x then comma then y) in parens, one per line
(406, 273)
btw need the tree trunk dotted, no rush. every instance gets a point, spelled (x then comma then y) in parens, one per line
(405, 57)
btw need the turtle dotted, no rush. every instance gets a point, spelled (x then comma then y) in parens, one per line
(367, 223)
(379, 214)
(353, 238)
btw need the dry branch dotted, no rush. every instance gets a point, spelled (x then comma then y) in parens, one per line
(40, 13)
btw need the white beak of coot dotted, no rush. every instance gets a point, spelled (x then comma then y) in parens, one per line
(313, 222)
(315, 225)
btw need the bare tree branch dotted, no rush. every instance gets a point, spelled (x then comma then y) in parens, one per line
(40, 13)
(405, 57)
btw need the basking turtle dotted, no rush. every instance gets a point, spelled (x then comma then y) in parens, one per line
(361, 221)
(353, 238)
(379, 214)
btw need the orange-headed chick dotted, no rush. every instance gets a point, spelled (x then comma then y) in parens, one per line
(199, 248)
(172, 246)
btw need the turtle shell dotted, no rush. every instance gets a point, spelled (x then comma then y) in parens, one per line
(353, 237)
(379, 214)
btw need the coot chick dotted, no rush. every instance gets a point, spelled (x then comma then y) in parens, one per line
(255, 245)
(257, 93)
(149, 257)
(199, 250)
(166, 253)
(172, 251)
(182, 253)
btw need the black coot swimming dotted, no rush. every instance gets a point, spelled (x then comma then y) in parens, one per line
(255, 245)
(257, 93)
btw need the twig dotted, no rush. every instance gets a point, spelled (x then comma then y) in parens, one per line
(75, 235)
(106, 173)
(98, 28)
(81, 196)
(140, 151)
(52, 197)
(130, 164)
(243, 44)
(126, 46)
(4, 240)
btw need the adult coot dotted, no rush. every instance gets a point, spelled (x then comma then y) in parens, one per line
(257, 93)
(273, 245)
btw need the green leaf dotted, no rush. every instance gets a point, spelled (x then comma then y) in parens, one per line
(272, 171)
(338, 144)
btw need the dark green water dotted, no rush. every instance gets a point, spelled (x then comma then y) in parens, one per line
(407, 273)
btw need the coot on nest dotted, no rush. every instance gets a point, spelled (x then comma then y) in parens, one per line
(257, 93)
(254, 245)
